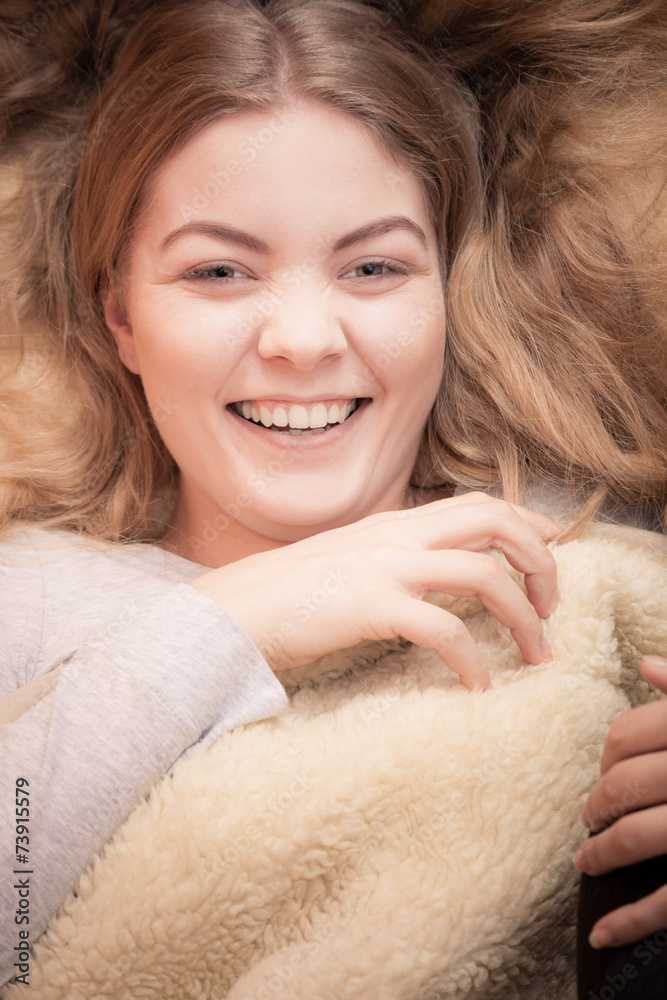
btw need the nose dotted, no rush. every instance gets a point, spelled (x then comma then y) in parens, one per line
(303, 330)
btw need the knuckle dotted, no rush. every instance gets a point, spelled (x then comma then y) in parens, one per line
(526, 620)
(627, 840)
(636, 921)
(591, 848)
(381, 554)
(547, 557)
(500, 509)
(634, 924)
(612, 789)
(490, 573)
(452, 633)
(618, 735)
(539, 558)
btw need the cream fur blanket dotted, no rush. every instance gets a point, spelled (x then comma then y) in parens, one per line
(392, 835)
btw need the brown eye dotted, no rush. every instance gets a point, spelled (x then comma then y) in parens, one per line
(221, 271)
(215, 272)
(374, 269)
(368, 269)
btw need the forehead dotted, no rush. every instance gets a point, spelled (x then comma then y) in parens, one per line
(295, 171)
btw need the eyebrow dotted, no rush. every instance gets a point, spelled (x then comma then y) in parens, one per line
(230, 235)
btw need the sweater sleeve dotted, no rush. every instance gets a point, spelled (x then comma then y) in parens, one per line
(122, 711)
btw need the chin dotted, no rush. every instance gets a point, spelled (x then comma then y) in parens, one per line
(302, 524)
(306, 508)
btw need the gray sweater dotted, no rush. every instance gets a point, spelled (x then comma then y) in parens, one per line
(152, 669)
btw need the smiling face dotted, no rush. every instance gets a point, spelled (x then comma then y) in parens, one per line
(283, 306)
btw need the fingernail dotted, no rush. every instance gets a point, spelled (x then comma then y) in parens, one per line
(554, 601)
(580, 861)
(480, 689)
(583, 819)
(657, 661)
(545, 649)
(601, 938)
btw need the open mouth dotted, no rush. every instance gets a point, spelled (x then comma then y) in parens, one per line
(297, 419)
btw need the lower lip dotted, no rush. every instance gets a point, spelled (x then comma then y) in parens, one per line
(302, 441)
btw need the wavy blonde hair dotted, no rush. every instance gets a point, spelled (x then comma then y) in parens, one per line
(554, 268)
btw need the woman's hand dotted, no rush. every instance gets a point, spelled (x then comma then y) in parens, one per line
(632, 786)
(366, 580)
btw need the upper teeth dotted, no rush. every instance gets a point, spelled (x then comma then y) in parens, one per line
(297, 416)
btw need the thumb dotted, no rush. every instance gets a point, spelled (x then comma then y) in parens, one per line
(654, 669)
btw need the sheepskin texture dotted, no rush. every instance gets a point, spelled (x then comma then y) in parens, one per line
(391, 836)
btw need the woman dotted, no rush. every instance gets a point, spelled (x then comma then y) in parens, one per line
(259, 152)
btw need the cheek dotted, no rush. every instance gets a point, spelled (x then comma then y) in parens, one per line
(412, 353)
(188, 347)
(408, 323)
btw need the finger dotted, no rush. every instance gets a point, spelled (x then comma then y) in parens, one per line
(629, 785)
(432, 627)
(546, 526)
(632, 922)
(638, 731)
(495, 524)
(471, 574)
(476, 521)
(633, 838)
(654, 669)
(412, 513)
